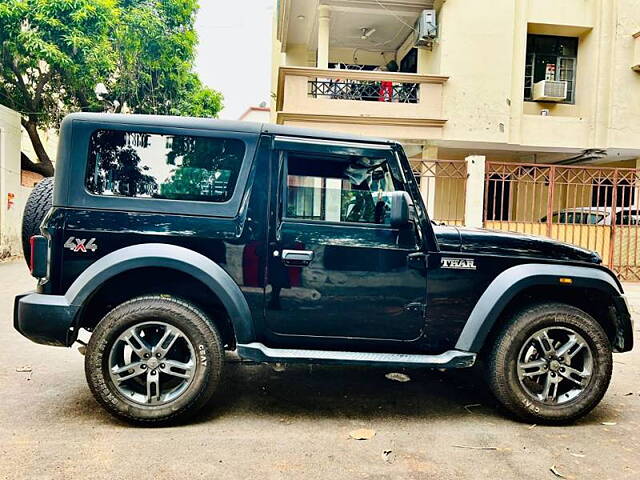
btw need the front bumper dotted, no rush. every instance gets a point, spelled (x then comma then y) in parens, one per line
(45, 319)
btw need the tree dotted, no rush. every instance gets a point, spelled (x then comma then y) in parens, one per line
(55, 52)
(155, 44)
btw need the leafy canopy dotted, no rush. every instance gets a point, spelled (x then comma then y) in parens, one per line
(53, 54)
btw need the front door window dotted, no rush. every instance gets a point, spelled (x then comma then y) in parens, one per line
(353, 189)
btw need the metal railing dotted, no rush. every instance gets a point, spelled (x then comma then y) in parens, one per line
(592, 207)
(364, 90)
(443, 185)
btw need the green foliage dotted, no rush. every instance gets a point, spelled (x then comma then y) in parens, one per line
(53, 53)
(155, 43)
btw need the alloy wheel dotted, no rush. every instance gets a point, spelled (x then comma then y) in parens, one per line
(555, 365)
(152, 363)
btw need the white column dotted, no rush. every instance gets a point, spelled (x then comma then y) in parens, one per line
(517, 71)
(324, 19)
(474, 200)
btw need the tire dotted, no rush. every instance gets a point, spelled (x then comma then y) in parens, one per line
(520, 354)
(197, 345)
(38, 204)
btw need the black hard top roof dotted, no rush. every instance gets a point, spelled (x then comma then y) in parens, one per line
(219, 125)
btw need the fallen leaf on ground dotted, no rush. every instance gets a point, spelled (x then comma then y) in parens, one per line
(609, 424)
(555, 471)
(388, 456)
(362, 434)
(627, 394)
(531, 427)
(25, 369)
(398, 377)
(579, 455)
(471, 447)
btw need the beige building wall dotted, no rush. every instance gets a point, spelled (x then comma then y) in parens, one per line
(13, 195)
(481, 47)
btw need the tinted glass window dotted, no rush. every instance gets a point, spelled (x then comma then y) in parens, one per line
(628, 218)
(174, 167)
(575, 217)
(354, 189)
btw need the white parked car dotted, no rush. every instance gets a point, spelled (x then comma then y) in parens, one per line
(596, 216)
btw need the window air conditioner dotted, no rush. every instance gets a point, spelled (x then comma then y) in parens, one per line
(550, 91)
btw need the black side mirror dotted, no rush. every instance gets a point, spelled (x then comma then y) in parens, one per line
(400, 209)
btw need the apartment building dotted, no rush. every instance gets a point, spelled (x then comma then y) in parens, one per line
(517, 114)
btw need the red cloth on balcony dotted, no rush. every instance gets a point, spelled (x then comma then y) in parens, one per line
(386, 92)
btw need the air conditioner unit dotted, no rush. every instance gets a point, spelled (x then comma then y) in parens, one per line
(550, 91)
(426, 28)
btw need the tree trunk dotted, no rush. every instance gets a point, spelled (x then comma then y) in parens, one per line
(44, 166)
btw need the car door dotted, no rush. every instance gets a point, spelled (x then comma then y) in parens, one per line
(337, 270)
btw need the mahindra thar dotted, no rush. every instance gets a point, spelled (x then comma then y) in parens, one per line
(174, 240)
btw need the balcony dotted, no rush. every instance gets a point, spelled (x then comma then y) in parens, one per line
(395, 105)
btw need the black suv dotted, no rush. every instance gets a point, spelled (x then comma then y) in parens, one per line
(173, 240)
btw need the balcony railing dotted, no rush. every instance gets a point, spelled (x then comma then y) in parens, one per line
(410, 102)
(364, 90)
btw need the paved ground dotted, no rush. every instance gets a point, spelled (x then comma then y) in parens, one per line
(296, 423)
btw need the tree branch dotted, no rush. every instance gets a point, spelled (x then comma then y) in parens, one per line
(21, 84)
(42, 81)
(44, 166)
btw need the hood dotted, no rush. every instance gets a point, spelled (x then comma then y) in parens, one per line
(492, 242)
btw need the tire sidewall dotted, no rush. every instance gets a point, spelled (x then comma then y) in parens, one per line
(38, 204)
(204, 340)
(590, 330)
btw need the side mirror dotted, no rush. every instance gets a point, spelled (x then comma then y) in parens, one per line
(400, 209)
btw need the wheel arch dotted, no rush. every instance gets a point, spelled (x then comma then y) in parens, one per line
(541, 282)
(187, 264)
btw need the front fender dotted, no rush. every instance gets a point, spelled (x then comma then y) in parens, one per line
(513, 281)
(173, 257)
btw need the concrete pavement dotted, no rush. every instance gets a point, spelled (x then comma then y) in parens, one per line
(296, 423)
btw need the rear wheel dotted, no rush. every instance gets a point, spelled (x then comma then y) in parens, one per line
(550, 364)
(154, 360)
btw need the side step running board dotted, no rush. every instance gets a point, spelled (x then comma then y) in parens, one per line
(258, 352)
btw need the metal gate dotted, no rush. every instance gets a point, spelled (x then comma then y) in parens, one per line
(592, 207)
(443, 186)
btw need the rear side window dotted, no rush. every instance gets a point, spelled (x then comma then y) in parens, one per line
(173, 167)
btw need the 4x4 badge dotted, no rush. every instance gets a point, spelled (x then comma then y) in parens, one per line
(458, 263)
(80, 244)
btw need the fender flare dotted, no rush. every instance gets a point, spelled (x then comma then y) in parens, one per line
(514, 280)
(171, 257)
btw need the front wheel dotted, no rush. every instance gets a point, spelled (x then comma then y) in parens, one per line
(154, 360)
(550, 364)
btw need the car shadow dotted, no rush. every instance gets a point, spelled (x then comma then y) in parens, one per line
(311, 392)
(321, 391)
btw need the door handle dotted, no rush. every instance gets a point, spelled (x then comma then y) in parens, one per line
(297, 258)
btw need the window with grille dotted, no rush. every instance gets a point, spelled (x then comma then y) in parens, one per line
(551, 58)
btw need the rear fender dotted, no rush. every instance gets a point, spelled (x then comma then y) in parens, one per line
(171, 257)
